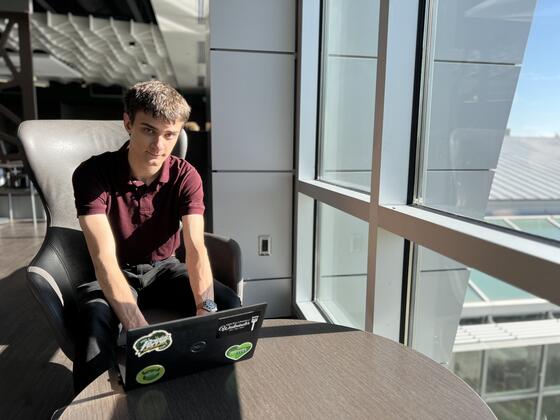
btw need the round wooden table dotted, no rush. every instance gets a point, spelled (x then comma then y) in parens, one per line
(299, 370)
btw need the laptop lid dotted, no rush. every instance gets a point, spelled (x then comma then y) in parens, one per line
(176, 348)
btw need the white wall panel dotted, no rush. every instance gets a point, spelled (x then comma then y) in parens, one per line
(276, 292)
(353, 27)
(469, 112)
(482, 30)
(252, 108)
(265, 25)
(246, 205)
(459, 192)
(349, 104)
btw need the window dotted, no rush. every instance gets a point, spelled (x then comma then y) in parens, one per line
(348, 65)
(460, 258)
(515, 410)
(513, 369)
(468, 366)
(490, 138)
(342, 266)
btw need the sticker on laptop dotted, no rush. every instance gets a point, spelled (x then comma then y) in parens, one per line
(238, 351)
(157, 340)
(150, 374)
(236, 324)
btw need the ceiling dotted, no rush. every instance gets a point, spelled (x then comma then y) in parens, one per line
(137, 10)
(119, 42)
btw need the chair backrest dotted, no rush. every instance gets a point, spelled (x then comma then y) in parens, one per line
(53, 150)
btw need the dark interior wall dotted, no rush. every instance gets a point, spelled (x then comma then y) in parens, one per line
(95, 102)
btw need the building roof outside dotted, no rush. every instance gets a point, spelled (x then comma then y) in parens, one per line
(528, 169)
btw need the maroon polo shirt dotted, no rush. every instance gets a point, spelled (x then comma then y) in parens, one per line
(144, 218)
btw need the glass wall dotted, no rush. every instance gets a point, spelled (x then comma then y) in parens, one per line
(490, 132)
(342, 266)
(502, 341)
(348, 66)
(473, 136)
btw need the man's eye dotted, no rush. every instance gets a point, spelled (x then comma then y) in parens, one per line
(148, 130)
(169, 136)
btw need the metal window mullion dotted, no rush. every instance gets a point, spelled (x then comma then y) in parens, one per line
(542, 377)
(376, 160)
(484, 376)
(507, 397)
(351, 202)
(526, 263)
(306, 94)
(425, 100)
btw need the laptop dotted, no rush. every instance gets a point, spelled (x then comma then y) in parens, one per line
(167, 350)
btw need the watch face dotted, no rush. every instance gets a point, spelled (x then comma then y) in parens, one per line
(209, 305)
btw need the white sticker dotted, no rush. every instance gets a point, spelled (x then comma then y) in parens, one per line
(157, 340)
(254, 321)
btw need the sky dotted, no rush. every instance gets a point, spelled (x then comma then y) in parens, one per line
(536, 104)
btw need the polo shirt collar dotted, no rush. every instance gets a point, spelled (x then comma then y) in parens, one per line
(124, 167)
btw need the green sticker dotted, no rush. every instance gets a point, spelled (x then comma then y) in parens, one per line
(238, 351)
(157, 340)
(150, 374)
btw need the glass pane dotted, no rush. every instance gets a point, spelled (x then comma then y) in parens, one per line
(490, 333)
(553, 366)
(499, 222)
(342, 266)
(514, 410)
(496, 289)
(513, 369)
(467, 365)
(541, 227)
(471, 296)
(348, 67)
(490, 132)
(551, 408)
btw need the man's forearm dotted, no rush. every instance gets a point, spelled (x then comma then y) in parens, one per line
(200, 275)
(120, 297)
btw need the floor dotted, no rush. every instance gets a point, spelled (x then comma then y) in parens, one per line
(36, 377)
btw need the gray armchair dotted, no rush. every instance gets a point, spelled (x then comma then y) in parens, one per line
(52, 150)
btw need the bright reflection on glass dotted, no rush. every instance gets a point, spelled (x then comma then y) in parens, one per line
(490, 126)
(342, 266)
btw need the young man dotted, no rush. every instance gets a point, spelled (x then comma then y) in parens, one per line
(129, 204)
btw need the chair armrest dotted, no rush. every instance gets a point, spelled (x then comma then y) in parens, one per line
(225, 259)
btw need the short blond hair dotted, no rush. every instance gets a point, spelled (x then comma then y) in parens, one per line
(157, 98)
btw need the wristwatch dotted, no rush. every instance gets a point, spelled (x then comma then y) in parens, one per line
(209, 306)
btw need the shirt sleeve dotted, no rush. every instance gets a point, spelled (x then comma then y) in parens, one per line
(90, 197)
(191, 193)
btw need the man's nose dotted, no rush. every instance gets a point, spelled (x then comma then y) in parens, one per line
(157, 144)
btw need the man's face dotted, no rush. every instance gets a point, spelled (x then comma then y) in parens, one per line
(151, 140)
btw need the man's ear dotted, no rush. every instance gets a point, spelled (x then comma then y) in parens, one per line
(127, 122)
